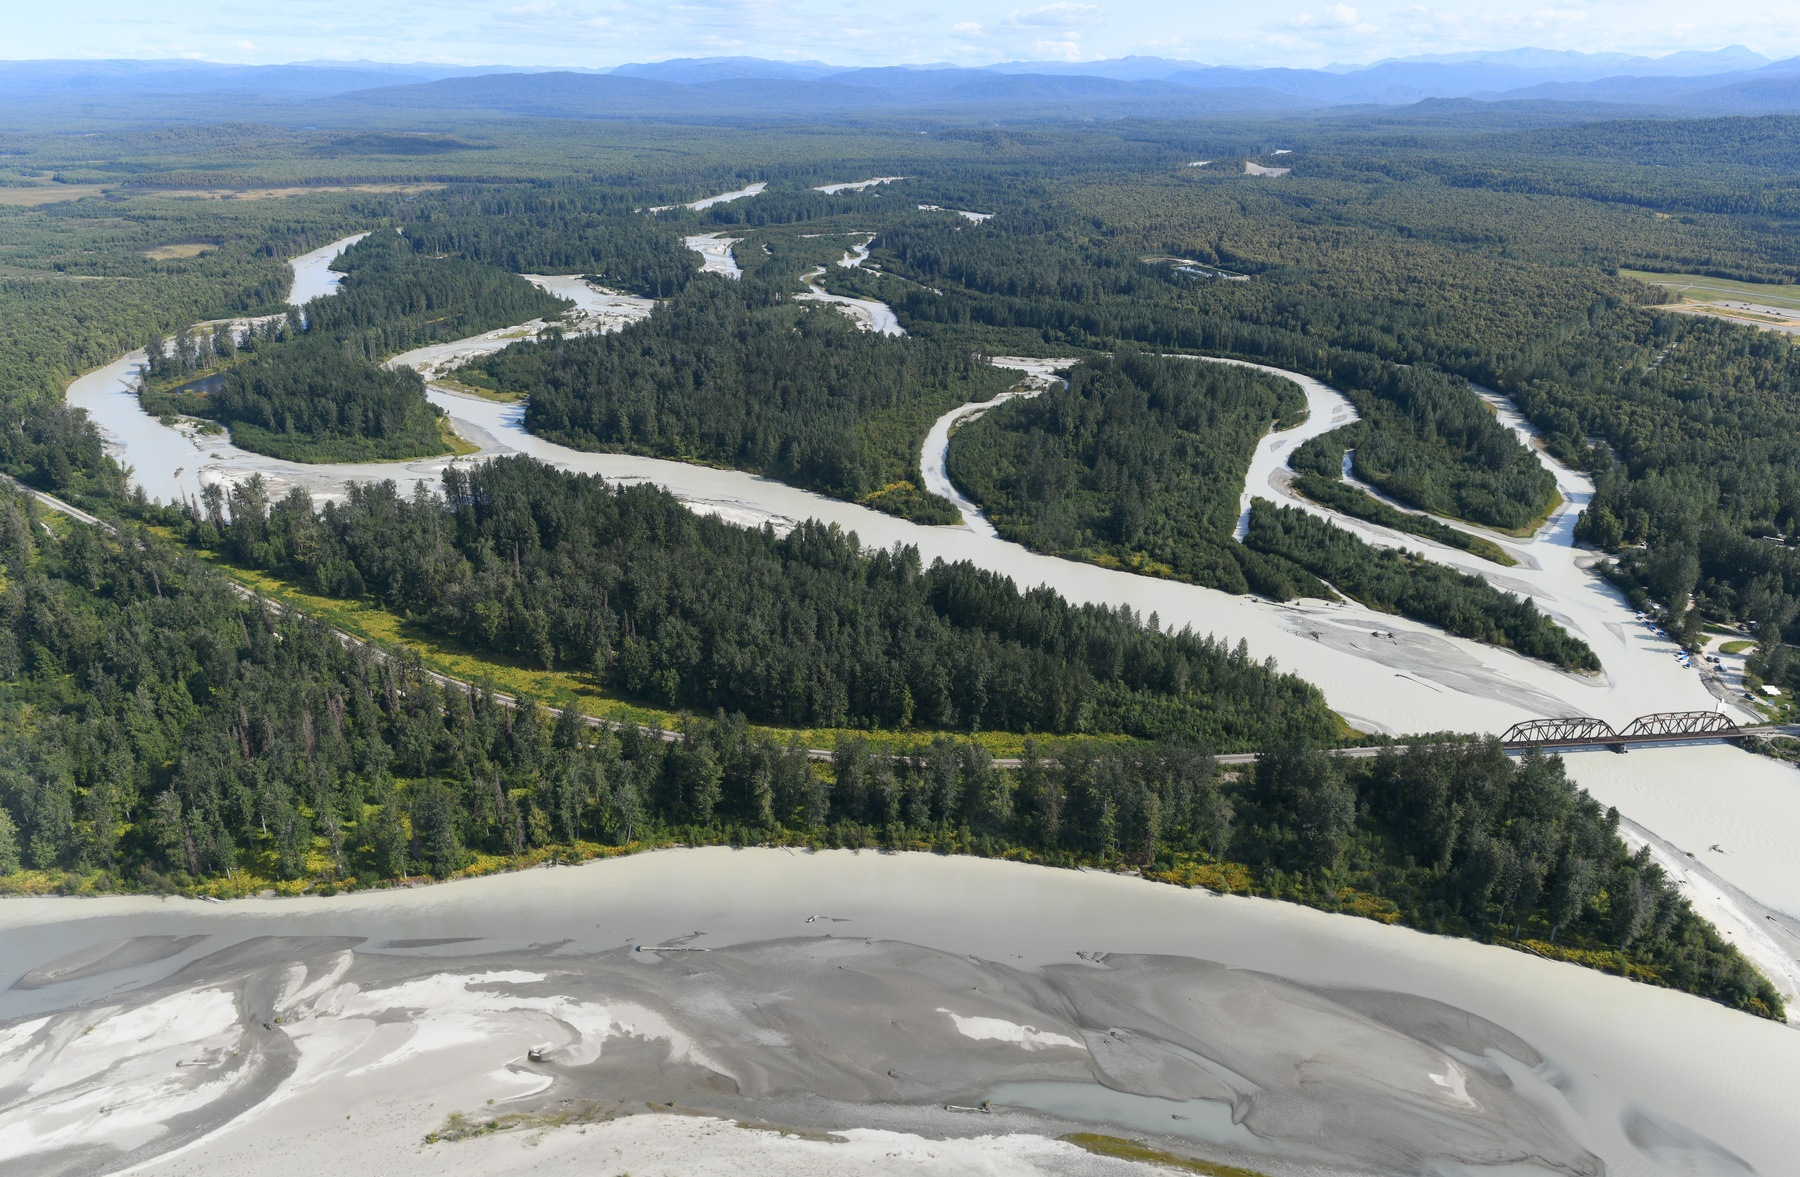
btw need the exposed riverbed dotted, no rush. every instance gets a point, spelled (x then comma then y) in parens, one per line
(1281, 1037)
(715, 249)
(867, 313)
(313, 275)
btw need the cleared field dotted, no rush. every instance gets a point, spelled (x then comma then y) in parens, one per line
(1699, 288)
(163, 253)
(47, 194)
(273, 193)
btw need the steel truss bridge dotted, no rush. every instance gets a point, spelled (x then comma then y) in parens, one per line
(1664, 727)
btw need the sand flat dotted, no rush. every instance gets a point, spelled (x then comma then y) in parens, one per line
(313, 275)
(856, 186)
(715, 249)
(1332, 1038)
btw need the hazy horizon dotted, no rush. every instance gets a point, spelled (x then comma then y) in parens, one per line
(445, 62)
(550, 34)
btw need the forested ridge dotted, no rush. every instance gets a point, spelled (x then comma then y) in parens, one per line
(160, 732)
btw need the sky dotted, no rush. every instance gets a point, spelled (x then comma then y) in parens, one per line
(601, 33)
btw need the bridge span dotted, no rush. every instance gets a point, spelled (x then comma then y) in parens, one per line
(1664, 728)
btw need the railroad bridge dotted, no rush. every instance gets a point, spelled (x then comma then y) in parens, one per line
(1663, 727)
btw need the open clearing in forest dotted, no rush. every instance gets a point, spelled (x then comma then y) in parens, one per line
(1699, 288)
(47, 194)
(163, 253)
(277, 193)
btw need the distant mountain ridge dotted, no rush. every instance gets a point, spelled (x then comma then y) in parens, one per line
(1575, 66)
(1733, 80)
(564, 95)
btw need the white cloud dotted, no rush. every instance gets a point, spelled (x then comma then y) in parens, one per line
(1054, 16)
(1047, 31)
(549, 15)
(1336, 16)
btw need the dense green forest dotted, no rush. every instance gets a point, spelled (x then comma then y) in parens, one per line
(737, 373)
(394, 298)
(56, 448)
(158, 731)
(312, 402)
(304, 398)
(600, 231)
(685, 611)
(1348, 305)
(84, 281)
(1393, 266)
(1426, 440)
(1343, 497)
